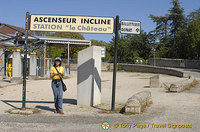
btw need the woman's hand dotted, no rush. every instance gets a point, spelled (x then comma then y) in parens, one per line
(62, 75)
(52, 75)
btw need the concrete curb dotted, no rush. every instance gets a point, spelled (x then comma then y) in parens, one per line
(138, 102)
(181, 86)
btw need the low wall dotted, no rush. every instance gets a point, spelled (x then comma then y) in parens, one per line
(176, 63)
(192, 64)
(73, 67)
(104, 66)
(151, 69)
(138, 68)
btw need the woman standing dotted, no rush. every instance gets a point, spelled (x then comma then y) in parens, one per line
(57, 85)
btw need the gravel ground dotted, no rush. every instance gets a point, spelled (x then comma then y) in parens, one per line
(167, 108)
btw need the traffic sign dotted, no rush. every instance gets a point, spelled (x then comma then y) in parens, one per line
(130, 27)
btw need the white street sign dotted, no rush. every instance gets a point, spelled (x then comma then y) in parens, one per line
(130, 27)
(103, 52)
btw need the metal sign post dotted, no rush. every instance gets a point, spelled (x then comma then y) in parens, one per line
(115, 62)
(25, 61)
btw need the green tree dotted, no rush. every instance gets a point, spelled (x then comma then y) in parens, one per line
(167, 28)
(194, 15)
(162, 27)
(68, 35)
(62, 51)
(130, 48)
(192, 38)
(98, 43)
(177, 22)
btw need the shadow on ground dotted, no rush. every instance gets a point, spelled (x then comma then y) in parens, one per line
(67, 101)
(46, 108)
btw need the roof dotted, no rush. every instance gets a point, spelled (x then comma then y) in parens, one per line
(10, 29)
(58, 40)
(6, 43)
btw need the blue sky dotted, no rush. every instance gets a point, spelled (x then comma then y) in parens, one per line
(13, 11)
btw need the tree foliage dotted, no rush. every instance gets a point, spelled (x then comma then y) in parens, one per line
(55, 50)
(176, 35)
(130, 48)
(62, 50)
(67, 35)
(194, 15)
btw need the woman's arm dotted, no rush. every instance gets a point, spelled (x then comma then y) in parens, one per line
(52, 75)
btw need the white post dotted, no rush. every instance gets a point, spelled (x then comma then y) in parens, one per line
(33, 65)
(68, 69)
(45, 58)
(89, 76)
(16, 67)
(2, 63)
(154, 57)
(48, 65)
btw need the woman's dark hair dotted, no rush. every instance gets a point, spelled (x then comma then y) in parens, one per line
(55, 63)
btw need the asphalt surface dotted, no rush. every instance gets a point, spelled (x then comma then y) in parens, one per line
(92, 121)
(179, 109)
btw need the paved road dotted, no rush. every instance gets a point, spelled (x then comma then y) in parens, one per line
(167, 108)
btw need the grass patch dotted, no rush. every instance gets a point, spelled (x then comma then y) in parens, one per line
(116, 110)
(193, 84)
(129, 113)
(119, 108)
(165, 86)
(21, 82)
(142, 75)
(34, 111)
(66, 77)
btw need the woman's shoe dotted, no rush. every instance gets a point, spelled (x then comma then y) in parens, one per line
(60, 112)
(56, 111)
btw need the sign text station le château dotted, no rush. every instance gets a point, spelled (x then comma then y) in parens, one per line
(82, 24)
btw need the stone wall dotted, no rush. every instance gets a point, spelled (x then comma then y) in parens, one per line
(151, 69)
(138, 68)
(104, 66)
(176, 63)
